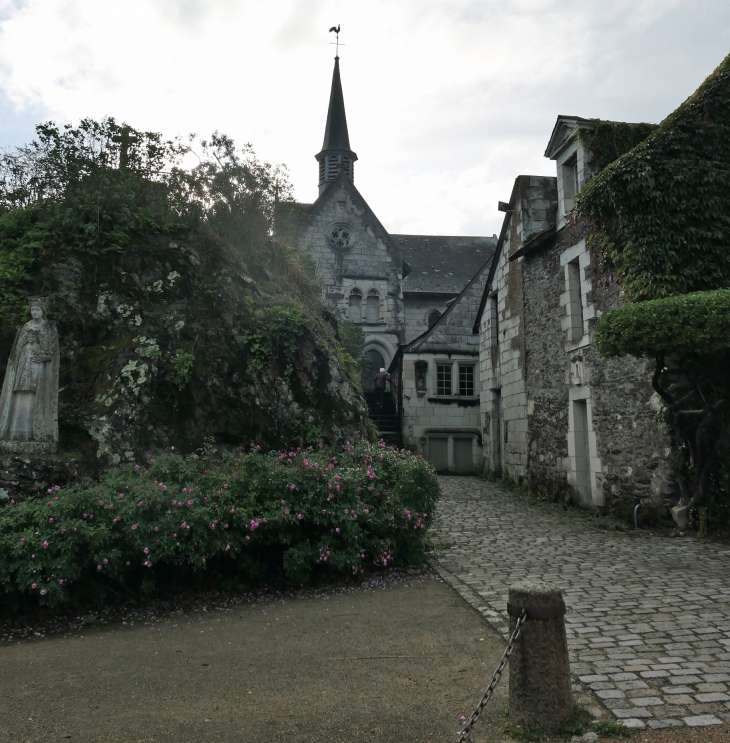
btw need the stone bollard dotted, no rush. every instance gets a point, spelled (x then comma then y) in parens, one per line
(539, 670)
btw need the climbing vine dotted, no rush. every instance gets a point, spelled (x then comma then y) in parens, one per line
(662, 210)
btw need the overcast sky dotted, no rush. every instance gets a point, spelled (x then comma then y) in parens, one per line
(447, 100)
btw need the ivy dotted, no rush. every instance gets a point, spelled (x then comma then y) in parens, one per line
(608, 140)
(663, 209)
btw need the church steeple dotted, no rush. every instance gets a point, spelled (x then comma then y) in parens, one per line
(336, 154)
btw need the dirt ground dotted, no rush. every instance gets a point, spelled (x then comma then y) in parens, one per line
(399, 661)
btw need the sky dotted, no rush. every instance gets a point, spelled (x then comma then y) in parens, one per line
(447, 100)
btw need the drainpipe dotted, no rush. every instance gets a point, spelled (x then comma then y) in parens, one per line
(636, 515)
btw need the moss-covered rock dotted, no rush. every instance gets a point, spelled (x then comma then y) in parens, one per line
(172, 343)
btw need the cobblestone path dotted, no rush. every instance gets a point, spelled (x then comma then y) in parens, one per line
(648, 618)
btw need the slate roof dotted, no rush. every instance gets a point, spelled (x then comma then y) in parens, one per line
(336, 136)
(442, 264)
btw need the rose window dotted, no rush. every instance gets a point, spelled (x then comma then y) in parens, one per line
(341, 237)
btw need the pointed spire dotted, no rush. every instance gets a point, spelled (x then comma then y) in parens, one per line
(335, 133)
(336, 154)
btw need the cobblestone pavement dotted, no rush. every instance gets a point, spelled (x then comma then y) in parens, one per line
(648, 618)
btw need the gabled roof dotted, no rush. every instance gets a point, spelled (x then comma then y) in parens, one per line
(336, 136)
(564, 128)
(442, 264)
(367, 217)
(455, 309)
(497, 253)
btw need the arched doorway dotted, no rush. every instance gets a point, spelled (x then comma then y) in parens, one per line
(377, 362)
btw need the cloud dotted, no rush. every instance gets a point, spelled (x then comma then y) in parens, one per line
(447, 100)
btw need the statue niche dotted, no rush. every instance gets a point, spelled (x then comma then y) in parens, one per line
(29, 399)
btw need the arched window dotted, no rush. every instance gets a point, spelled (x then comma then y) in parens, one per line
(372, 310)
(433, 318)
(355, 305)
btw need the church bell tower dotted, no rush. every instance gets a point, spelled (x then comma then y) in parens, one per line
(336, 154)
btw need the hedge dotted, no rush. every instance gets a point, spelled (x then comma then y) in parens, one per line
(176, 521)
(697, 323)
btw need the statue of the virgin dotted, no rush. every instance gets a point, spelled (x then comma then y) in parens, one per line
(29, 399)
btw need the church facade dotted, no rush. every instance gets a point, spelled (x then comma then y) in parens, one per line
(395, 287)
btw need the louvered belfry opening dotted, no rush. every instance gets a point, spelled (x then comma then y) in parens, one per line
(335, 155)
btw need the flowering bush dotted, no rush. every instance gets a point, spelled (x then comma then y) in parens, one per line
(176, 521)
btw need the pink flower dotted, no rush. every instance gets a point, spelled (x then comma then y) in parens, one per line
(105, 561)
(228, 546)
(101, 502)
(134, 526)
(98, 567)
(60, 581)
(174, 535)
(45, 544)
(247, 537)
(225, 485)
(86, 515)
(146, 550)
(337, 529)
(291, 487)
(232, 510)
(50, 521)
(156, 529)
(286, 510)
(299, 515)
(127, 562)
(43, 592)
(22, 539)
(190, 503)
(32, 585)
(121, 495)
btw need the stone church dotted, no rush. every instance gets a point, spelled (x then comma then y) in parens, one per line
(394, 286)
(489, 341)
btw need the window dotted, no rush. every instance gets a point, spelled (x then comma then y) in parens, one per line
(575, 301)
(433, 318)
(493, 319)
(570, 182)
(372, 309)
(466, 380)
(355, 305)
(443, 380)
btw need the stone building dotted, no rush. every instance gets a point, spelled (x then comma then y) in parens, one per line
(437, 382)
(393, 286)
(552, 407)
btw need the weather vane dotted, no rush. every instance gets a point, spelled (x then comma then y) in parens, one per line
(336, 29)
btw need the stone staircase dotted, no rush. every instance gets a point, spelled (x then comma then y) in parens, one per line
(385, 419)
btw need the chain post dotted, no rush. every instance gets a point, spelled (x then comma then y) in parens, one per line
(466, 731)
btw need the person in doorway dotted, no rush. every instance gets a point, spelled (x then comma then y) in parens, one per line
(380, 379)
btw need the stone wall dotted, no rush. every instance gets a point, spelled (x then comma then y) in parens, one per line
(627, 447)
(502, 351)
(368, 263)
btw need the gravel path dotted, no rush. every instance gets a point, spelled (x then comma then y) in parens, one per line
(648, 617)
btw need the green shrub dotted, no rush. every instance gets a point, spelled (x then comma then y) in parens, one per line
(176, 521)
(697, 323)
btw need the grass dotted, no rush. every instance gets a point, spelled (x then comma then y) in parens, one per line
(580, 723)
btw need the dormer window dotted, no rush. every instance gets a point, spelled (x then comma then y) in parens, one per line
(570, 182)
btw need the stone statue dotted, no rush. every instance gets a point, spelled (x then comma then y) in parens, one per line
(29, 399)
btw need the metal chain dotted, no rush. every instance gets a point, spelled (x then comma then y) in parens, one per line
(466, 731)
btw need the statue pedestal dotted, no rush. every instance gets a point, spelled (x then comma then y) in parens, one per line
(28, 448)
